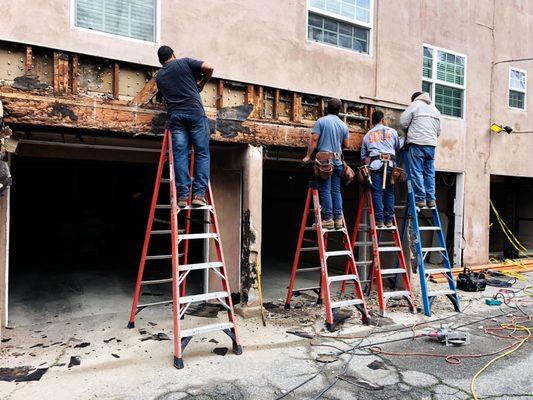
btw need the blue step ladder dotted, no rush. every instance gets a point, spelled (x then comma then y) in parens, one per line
(413, 213)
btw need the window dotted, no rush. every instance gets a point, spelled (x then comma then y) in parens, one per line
(340, 23)
(131, 18)
(444, 78)
(517, 88)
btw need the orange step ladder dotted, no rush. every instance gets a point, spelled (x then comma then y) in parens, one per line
(180, 238)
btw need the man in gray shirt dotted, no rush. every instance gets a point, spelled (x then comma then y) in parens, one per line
(330, 134)
(421, 120)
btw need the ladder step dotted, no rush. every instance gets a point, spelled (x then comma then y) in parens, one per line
(162, 206)
(205, 329)
(156, 281)
(345, 303)
(392, 271)
(310, 228)
(338, 253)
(162, 257)
(441, 292)
(161, 232)
(436, 271)
(397, 293)
(428, 228)
(387, 243)
(388, 249)
(309, 249)
(387, 228)
(208, 207)
(428, 249)
(362, 244)
(157, 303)
(304, 289)
(334, 230)
(165, 180)
(207, 265)
(308, 269)
(203, 297)
(192, 236)
(340, 278)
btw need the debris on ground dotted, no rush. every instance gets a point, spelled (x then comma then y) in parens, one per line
(205, 310)
(109, 340)
(6, 340)
(34, 376)
(327, 358)
(142, 331)
(82, 345)
(214, 341)
(115, 355)
(303, 334)
(221, 351)
(10, 374)
(155, 336)
(377, 364)
(360, 382)
(74, 360)
(152, 323)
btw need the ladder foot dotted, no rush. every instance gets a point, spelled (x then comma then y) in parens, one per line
(131, 324)
(319, 301)
(178, 362)
(330, 327)
(287, 306)
(237, 349)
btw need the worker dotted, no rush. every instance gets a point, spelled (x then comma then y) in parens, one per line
(421, 121)
(329, 136)
(380, 145)
(180, 81)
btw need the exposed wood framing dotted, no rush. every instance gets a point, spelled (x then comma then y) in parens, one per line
(116, 70)
(28, 62)
(61, 73)
(296, 107)
(321, 108)
(259, 103)
(220, 94)
(145, 95)
(275, 105)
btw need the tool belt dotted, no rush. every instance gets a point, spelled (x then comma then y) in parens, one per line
(383, 157)
(347, 174)
(363, 175)
(324, 163)
(398, 175)
(469, 281)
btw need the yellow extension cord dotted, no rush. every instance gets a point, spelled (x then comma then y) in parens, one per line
(508, 233)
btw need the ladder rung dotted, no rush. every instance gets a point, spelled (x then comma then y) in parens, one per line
(161, 232)
(165, 180)
(309, 249)
(340, 278)
(387, 228)
(156, 281)
(428, 228)
(344, 303)
(205, 329)
(309, 269)
(392, 271)
(334, 230)
(162, 206)
(162, 257)
(441, 292)
(338, 253)
(310, 228)
(388, 249)
(428, 249)
(203, 297)
(436, 271)
(208, 207)
(369, 262)
(397, 293)
(387, 243)
(362, 244)
(207, 265)
(157, 303)
(192, 236)
(304, 289)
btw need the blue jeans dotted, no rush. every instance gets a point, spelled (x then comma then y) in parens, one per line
(383, 199)
(422, 168)
(187, 129)
(330, 193)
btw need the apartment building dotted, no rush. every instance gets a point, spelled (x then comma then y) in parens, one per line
(76, 88)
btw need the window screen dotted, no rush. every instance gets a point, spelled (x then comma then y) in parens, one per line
(130, 18)
(517, 89)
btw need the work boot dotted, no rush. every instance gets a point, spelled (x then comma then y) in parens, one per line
(379, 224)
(339, 224)
(328, 224)
(199, 201)
(420, 204)
(389, 224)
(431, 203)
(182, 202)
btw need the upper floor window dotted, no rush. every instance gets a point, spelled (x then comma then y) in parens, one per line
(517, 88)
(444, 78)
(341, 23)
(131, 18)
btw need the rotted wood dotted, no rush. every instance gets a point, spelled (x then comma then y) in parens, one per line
(116, 72)
(28, 62)
(74, 75)
(275, 105)
(61, 73)
(321, 107)
(296, 107)
(146, 94)
(259, 103)
(220, 94)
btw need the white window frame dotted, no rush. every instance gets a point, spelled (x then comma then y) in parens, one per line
(433, 80)
(522, 71)
(157, 41)
(341, 18)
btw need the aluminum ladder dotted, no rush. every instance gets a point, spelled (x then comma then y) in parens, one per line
(180, 238)
(379, 249)
(323, 290)
(415, 214)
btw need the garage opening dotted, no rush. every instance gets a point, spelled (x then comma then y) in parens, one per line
(77, 230)
(511, 199)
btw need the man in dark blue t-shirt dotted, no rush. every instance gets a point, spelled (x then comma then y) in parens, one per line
(180, 81)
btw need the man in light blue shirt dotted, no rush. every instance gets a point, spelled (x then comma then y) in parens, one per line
(378, 151)
(330, 134)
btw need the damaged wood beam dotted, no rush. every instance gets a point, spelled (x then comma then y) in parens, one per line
(220, 94)
(61, 72)
(116, 71)
(275, 105)
(28, 62)
(321, 108)
(296, 107)
(146, 94)
(259, 103)
(74, 79)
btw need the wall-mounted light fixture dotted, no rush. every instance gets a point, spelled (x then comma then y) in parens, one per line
(498, 128)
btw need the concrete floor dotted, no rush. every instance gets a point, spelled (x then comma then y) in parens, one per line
(273, 361)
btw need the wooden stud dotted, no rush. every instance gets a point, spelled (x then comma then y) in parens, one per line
(220, 94)
(146, 94)
(56, 72)
(259, 103)
(344, 110)
(275, 105)
(116, 70)
(74, 75)
(249, 97)
(296, 107)
(321, 107)
(28, 64)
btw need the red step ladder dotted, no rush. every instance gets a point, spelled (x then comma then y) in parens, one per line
(379, 248)
(180, 238)
(323, 289)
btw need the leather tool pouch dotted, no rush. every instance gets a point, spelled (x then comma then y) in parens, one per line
(347, 174)
(363, 175)
(398, 175)
(469, 281)
(323, 164)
